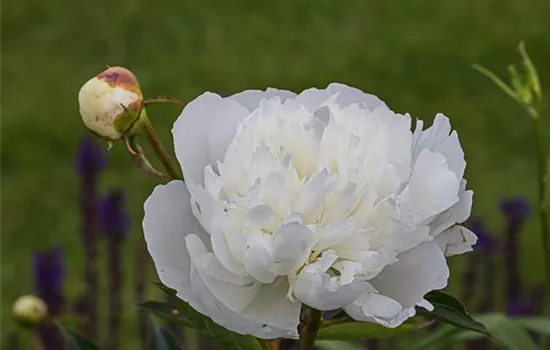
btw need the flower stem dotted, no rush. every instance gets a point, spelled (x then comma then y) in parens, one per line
(158, 148)
(543, 214)
(309, 330)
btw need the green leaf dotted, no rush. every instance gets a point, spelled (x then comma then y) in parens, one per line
(504, 331)
(497, 81)
(449, 310)
(337, 345)
(164, 311)
(74, 340)
(509, 332)
(365, 330)
(163, 339)
(226, 339)
(536, 324)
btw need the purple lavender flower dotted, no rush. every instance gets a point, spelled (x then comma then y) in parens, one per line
(49, 274)
(113, 218)
(482, 256)
(485, 240)
(115, 223)
(518, 308)
(516, 211)
(91, 158)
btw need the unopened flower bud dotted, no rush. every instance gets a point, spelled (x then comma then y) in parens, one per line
(30, 310)
(110, 102)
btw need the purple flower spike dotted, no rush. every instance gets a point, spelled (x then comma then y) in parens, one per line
(113, 218)
(485, 240)
(518, 308)
(49, 274)
(91, 158)
(515, 209)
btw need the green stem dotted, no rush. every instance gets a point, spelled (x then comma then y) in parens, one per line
(308, 333)
(543, 214)
(158, 148)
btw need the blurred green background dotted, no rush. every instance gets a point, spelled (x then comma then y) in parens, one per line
(415, 55)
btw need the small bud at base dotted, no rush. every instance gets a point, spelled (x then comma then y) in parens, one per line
(110, 102)
(30, 311)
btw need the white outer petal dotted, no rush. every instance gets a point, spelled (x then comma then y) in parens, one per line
(439, 138)
(418, 271)
(431, 175)
(456, 214)
(203, 131)
(264, 307)
(168, 219)
(251, 98)
(456, 240)
(313, 98)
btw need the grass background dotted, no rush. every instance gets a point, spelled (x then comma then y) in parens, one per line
(415, 55)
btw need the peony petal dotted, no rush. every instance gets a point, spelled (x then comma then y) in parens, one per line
(234, 321)
(437, 139)
(456, 214)
(264, 304)
(456, 240)
(291, 249)
(316, 288)
(313, 98)
(203, 131)
(259, 258)
(168, 219)
(251, 98)
(432, 188)
(418, 271)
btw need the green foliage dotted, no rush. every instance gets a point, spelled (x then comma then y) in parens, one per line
(511, 334)
(163, 339)
(449, 310)
(226, 339)
(364, 330)
(75, 341)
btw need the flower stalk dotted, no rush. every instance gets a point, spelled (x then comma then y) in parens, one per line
(157, 146)
(309, 329)
(526, 90)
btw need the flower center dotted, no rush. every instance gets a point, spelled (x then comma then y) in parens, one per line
(331, 172)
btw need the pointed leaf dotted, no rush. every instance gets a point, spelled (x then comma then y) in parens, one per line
(449, 310)
(164, 311)
(74, 340)
(509, 332)
(497, 81)
(163, 339)
(226, 339)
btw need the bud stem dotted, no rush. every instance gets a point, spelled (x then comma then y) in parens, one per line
(158, 148)
(309, 329)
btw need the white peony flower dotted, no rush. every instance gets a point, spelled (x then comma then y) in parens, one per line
(325, 198)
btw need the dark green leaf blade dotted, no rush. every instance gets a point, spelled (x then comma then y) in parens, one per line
(164, 311)
(163, 339)
(74, 340)
(226, 339)
(449, 310)
(507, 331)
